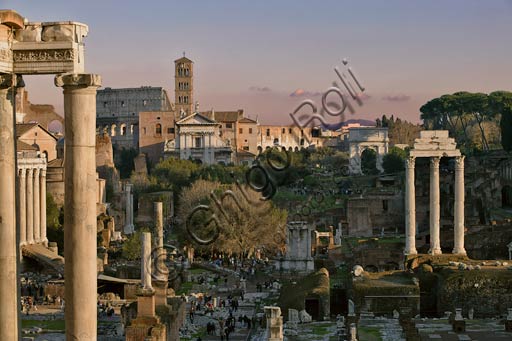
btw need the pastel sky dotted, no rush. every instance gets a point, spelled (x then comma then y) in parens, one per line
(255, 55)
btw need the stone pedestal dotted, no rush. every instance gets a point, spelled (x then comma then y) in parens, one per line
(80, 269)
(160, 292)
(274, 323)
(8, 245)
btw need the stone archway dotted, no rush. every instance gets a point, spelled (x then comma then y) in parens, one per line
(361, 139)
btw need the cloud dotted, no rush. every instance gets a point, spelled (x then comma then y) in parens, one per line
(260, 88)
(303, 93)
(397, 98)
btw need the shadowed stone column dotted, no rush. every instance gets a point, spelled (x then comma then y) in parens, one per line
(128, 224)
(435, 243)
(37, 207)
(42, 186)
(410, 207)
(160, 271)
(30, 206)
(458, 215)
(8, 246)
(80, 204)
(23, 206)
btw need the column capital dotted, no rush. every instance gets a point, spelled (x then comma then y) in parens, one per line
(43, 172)
(77, 80)
(410, 161)
(36, 172)
(8, 80)
(434, 162)
(22, 172)
(459, 162)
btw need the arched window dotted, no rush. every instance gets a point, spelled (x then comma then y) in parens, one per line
(158, 129)
(123, 129)
(113, 130)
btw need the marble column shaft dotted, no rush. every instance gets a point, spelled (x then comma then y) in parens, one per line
(145, 262)
(8, 245)
(410, 208)
(30, 205)
(37, 206)
(458, 214)
(80, 270)
(23, 205)
(42, 201)
(435, 243)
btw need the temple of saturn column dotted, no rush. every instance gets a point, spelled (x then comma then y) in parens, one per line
(49, 48)
(434, 144)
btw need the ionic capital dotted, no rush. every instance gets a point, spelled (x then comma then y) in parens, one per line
(434, 162)
(22, 172)
(77, 80)
(410, 162)
(43, 173)
(8, 80)
(459, 162)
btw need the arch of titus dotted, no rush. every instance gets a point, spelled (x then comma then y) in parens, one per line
(434, 144)
(50, 48)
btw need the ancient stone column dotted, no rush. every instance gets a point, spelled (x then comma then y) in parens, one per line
(435, 243)
(410, 207)
(37, 207)
(159, 223)
(23, 206)
(458, 215)
(8, 246)
(128, 224)
(80, 204)
(30, 206)
(42, 201)
(145, 262)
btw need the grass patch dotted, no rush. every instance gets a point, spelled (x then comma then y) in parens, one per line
(320, 330)
(48, 324)
(184, 288)
(370, 334)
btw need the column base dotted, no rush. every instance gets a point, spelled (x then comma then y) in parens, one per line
(434, 252)
(129, 229)
(410, 252)
(461, 252)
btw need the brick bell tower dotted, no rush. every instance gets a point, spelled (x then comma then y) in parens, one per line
(183, 86)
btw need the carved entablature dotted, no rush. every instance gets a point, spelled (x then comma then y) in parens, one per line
(49, 48)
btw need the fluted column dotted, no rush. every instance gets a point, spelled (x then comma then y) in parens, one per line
(8, 247)
(410, 207)
(23, 205)
(435, 243)
(80, 270)
(42, 186)
(458, 214)
(30, 206)
(37, 207)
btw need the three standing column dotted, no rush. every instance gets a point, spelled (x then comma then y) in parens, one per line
(410, 207)
(435, 217)
(458, 214)
(80, 204)
(8, 244)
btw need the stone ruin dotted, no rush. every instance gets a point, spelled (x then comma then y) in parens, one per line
(434, 144)
(298, 249)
